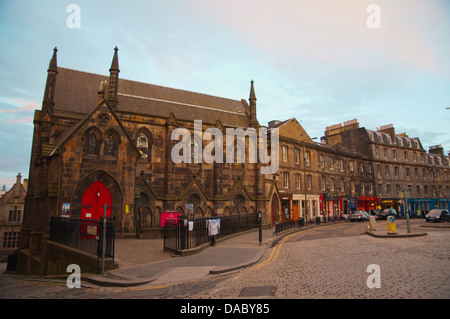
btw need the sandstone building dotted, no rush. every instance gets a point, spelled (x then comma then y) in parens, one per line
(11, 215)
(104, 140)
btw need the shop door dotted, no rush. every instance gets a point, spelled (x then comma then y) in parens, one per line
(295, 209)
(94, 199)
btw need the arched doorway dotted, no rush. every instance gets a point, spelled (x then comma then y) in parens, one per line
(275, 206)
(94, 199)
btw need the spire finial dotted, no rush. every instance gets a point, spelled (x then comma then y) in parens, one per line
(252, 99)
(114, 80)
(252, 91)
(53, 66)
(115, 61)
(50, 86)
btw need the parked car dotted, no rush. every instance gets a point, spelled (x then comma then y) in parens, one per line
(438, 215)
(359, 215)
(387, 212)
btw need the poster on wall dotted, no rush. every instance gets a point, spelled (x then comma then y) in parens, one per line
(127, 209)
(65, 210)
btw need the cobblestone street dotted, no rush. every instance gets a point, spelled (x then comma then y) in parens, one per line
(415, 267)
(327, 262)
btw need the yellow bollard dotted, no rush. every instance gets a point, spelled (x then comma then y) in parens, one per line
(391, 227)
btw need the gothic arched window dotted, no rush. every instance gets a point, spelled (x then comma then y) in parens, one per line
(142, 145)
(92, 144)
(109, 146)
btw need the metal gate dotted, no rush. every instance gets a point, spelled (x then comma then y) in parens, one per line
(84, 234)
(171, 237)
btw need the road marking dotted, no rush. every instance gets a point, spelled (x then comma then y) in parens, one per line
(276, 251)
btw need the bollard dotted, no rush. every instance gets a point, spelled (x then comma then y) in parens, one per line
(391, 227)
(372, 223)
(301, 222)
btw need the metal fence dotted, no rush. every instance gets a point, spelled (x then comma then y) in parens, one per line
(181, 236)
(291, 224)
(84, 234)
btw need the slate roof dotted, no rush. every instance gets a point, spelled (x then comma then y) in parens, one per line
(76, 94)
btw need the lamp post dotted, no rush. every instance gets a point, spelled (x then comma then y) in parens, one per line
(260, 227)
(304, 177)
(405, 194)
(104, 238)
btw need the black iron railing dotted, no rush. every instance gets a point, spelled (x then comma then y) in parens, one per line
(187, 234)
(84, 234)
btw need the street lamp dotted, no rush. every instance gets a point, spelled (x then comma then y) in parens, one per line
(405, 196)
(304, 177)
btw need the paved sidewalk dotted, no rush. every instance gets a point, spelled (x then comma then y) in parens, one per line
(151, 265)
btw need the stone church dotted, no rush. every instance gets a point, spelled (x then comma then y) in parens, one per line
(104, 140)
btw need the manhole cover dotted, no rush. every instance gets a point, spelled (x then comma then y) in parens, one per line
(257, 291)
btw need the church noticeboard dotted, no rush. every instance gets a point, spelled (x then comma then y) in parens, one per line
(65, 210)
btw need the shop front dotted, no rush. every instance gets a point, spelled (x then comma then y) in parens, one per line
(415, 206)
(368, 203)
(331, 205)
(394, 203)
(286, 207)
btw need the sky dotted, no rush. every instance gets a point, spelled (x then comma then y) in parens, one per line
(323, 62)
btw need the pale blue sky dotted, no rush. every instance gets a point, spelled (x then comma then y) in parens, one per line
(313, 60)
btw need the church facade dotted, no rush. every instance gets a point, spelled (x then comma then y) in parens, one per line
(107, 141)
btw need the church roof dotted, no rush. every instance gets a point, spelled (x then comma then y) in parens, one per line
(76, 92)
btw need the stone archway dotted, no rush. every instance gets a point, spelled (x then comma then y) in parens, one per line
(113, 187)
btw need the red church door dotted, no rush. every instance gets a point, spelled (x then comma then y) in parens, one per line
(94, 199)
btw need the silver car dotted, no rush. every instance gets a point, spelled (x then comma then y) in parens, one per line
(359, 215)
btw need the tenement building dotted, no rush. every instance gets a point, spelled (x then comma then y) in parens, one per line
(357, 168)
(405, 177)
(317, 180)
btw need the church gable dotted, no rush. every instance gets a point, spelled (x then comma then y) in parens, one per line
(98, 134)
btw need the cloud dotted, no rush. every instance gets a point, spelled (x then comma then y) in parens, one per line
(334, 32)
(20, 120)
(21, 106)
(21, 114)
